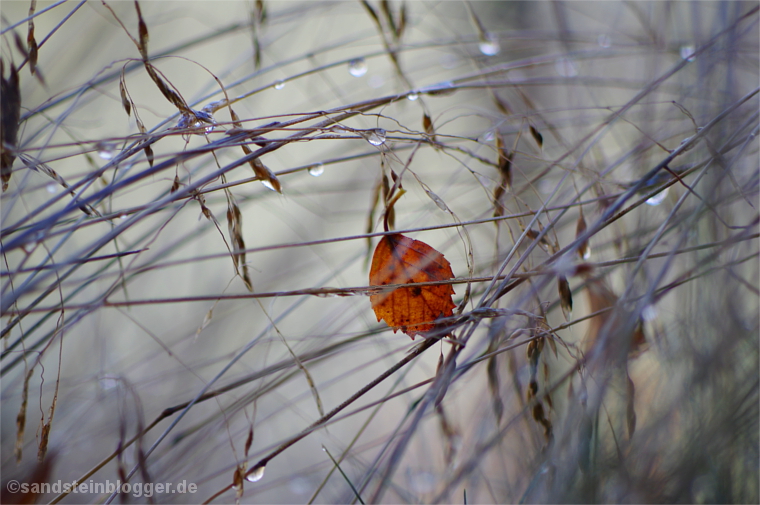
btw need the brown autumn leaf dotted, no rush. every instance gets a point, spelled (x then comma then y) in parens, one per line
(402, 260)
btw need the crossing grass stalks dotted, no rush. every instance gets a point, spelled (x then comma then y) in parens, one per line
(195, 189)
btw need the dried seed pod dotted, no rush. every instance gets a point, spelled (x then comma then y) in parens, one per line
(630, 410)
(565, 297)
(537, 137)
(493, 387)
(124, 99)
(505, 163)
(175, 184)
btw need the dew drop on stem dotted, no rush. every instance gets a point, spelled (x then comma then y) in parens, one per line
(687, 52)
(324, 294)
(376, 137)
(106, 151)
(268, 185)
(486, 137)
(658, 198)
(357, 67)
(256, 474)
(279, 85)
(490, 46)
(412, 96)
(317, 169)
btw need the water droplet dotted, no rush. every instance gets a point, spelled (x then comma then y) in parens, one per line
(442, 89)
(268, 184)
(587, 253)
(340, 130)
(566, 68)
(604, 41)
(649, 312)
(200, 124)
(197, 120)
(279, 85)
(486, 137)
(324, 294)
(52, 188)
(658, 198)
(376, 81)
(108, 382)
(123, 216)
(412, 96)
(687, 52)
(357, 67)
(317, 169)
(106, 151)
(490, 46)
(256, 474)
(376, 137)
(690, 147)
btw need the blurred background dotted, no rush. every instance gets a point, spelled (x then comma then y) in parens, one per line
(617, 362)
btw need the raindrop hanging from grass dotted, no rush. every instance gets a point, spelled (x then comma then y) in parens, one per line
(357, 67)
(376, 137)
(317, 169)
(490, 46)
(256, 474)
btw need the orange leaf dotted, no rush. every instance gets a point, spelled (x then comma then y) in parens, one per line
(402, 260)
